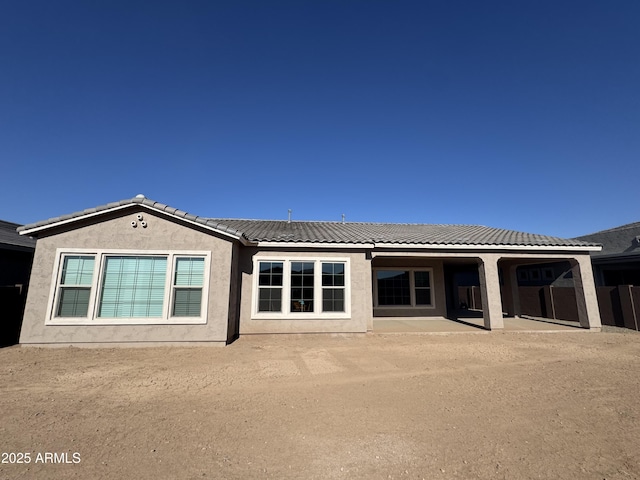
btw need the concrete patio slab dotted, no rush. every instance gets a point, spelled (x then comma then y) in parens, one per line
(470, 325)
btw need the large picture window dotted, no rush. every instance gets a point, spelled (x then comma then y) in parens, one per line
(116, 287)
(403, 288)
(306, 288)
(133, 287)
(393, 287)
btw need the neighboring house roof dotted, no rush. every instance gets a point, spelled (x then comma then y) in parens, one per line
(9, 237)
(317, 233)
(622, 241)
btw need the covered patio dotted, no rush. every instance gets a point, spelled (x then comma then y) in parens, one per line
(440, 309)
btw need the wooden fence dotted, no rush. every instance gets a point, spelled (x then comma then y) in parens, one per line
(619, 306)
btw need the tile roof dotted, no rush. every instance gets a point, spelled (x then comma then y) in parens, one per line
(9, 236)
(141, 200)
(338, 232)
(390, 233)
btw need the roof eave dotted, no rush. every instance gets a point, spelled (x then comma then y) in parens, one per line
(461, 246)
(276, 244)
(17, 248)
(429, 246)
(617, 256)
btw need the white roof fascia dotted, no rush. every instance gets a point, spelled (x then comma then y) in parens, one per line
(449, 246)
(73, 219)
(313, 245)
(142, 205)
(405, 246)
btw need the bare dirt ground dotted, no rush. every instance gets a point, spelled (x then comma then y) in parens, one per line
(460, 406)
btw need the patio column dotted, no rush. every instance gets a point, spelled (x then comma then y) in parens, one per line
(490, 292)
(586, 296)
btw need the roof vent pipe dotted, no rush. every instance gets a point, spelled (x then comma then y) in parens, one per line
(343, 218)
(289, 220)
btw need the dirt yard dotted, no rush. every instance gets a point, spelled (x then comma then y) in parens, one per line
(458, 406)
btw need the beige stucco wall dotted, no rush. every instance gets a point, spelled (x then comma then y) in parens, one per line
(115, 232)
(361, 301)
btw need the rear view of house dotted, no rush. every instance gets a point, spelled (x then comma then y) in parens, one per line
(138, 271)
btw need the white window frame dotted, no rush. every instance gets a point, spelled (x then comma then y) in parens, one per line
(412, 287)
(60, 287)
(100, 255)
(286, 313)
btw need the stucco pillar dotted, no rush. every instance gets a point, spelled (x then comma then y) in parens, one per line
(586, 297)
(490, 292)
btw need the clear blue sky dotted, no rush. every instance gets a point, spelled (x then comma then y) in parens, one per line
(514, 114)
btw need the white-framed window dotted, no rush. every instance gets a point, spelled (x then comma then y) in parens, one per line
(132, 286)
(188, 280)
(270, 275)
(403, 287)
(301, 288)
(333, 286)
(103, 287)
(74, 286)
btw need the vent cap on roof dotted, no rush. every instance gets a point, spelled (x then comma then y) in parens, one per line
(140, 195)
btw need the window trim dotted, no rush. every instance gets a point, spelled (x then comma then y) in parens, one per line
(175, 288)
(412, 288)
(100, 255)
(270, 286)
(60, 287)
(286, 313)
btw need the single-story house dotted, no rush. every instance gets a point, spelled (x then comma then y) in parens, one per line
(16, 255)
(138, 271)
